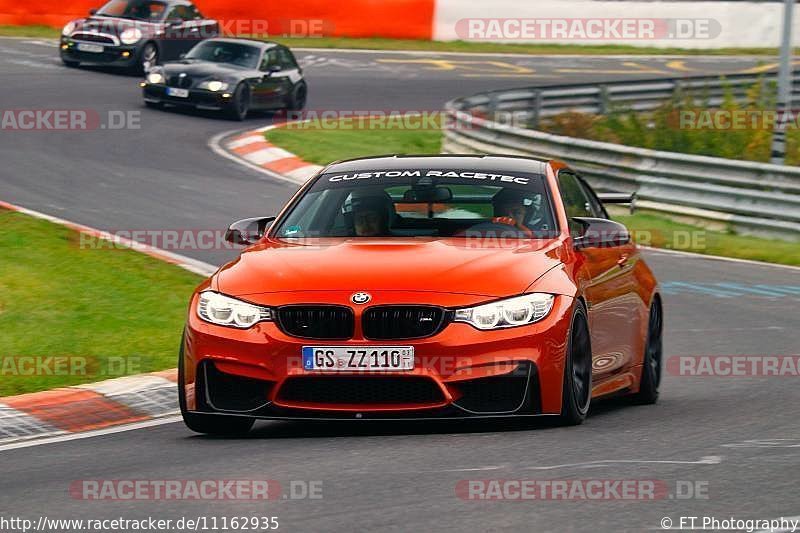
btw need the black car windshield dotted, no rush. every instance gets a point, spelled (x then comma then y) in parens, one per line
(134, 9)
(242, 55)
(422, 203)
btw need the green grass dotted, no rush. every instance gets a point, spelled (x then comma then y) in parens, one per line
(661, 231)
(321, 146)
(377, 43)
(57, 299)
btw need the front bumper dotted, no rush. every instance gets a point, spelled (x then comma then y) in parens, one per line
(113, 55)
(199, 99)
(459, 372)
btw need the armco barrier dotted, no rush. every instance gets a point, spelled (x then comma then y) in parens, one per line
(754, 198)
(402, 19)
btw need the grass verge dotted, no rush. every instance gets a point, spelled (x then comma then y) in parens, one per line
(321, 146)
(113, 311)
(376, 43)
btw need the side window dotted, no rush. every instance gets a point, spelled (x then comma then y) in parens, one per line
(193, 13)
(286, 59)
(597, 207)
(270, 59)
(576, 203)
(179, 14)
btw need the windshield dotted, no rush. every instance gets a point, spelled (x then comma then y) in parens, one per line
(224, 52)
(134, 9)
(422, 203)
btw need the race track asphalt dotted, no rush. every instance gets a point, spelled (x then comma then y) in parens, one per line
(737, 436)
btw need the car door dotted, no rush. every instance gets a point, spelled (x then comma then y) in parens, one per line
(609, 292)
(182, 32)
(275, 80)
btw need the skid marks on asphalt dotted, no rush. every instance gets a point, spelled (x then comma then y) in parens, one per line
(730, 290)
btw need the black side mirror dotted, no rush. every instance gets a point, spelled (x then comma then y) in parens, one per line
(248, 231)
(92, 12)
(272, 69)
(600, 233)
(182, 56)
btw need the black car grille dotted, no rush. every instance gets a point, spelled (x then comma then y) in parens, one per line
(361, 390)
(402, 321)
(184, 82)
(92, 38)
(317, 322)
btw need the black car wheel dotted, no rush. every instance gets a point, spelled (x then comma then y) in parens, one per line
(297, 100)
(208, 424)
(653, 356)
(577, 388)
(240, 103)
(148, 58)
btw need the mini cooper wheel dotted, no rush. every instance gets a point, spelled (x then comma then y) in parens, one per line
(297, 100)
(653, 356)
(577, 389)
(208, 424)
(240, 103)
(149, 58)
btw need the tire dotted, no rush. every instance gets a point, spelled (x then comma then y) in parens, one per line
(148, 58)
(70, 64)
(577, 389)
(652, 362)
(208, 424)
(240, 103)
(297, 100)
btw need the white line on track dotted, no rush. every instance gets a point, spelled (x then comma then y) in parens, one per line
(707, 460)
(90, 434)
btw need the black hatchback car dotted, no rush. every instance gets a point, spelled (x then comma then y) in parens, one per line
(235, 76)
(135, 34)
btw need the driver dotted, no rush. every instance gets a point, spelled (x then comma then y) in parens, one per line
(510, 209)
(371, 216)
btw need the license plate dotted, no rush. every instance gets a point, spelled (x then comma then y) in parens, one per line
(93, 48)
(180, 93)
(353, 358)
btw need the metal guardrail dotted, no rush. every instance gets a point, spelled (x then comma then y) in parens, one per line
(754, 198)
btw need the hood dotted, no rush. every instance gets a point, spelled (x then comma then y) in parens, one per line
(201, 70)
(432, 265)
(115, 26)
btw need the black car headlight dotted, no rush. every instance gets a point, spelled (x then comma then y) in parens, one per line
(155, 77)
(131, 36)
(507, 313)
(214, 85)
(226, 311)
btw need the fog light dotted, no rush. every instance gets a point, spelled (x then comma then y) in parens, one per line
(126, 54)
(226, 95)
(64, 46)
(142, 84)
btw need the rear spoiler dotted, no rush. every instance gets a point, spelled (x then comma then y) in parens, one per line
(619, 198)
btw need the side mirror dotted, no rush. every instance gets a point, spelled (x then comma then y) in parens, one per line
(182, 56)
(600, 233)
(248, 231)
(92, 12)
(272, 69)
(618, 198)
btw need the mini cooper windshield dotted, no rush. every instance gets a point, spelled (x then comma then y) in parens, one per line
(134, 9)
(422, 203)
(239, 54)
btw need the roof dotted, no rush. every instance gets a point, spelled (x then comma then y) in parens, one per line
(256, 42)
(489, 163)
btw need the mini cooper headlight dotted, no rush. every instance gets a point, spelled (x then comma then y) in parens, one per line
(226, 311)
(213, 85)
(130, 36)
(516, 311)
(69, 28)
(154, 78)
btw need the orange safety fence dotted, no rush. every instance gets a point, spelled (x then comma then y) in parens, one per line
(399, 19)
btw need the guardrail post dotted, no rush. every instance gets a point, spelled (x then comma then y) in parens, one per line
(603, 103)
(537, 109)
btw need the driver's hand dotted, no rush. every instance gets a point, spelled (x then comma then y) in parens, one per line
(508, 221)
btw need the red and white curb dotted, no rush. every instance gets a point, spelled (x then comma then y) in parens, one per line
(88, 407)
(253, 149)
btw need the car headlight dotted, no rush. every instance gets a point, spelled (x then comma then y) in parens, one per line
(69, 28)
(213, 85)
(226, 311)
(130, 36)
(154, 78)
(516, 311)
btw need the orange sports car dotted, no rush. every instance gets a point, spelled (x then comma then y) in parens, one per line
(424, 287)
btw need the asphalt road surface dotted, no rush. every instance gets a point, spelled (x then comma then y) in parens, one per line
(735, 441)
